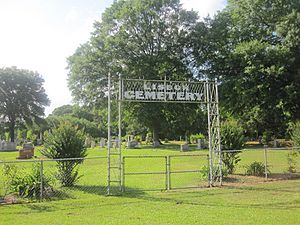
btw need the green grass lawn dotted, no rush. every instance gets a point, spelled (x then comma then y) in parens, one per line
(237, 202)
(268, 203)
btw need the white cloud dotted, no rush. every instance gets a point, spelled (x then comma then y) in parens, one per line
(39, 35)
(204, 7)
(72, 15)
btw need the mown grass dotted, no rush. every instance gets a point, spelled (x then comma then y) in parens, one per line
(268, 203)
(276, 202)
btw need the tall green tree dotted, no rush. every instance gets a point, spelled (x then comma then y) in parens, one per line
(90, 120)
(136, 39)
(253, 48)
(22, 97)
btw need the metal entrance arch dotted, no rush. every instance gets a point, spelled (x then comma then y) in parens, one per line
(137, 90)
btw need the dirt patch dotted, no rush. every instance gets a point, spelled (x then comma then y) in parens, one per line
(243, 180)
(9, 199)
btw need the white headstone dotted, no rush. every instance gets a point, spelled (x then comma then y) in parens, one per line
(199, 144)
(102, 143)
(275, 144)
(132, 144)
(184, 147)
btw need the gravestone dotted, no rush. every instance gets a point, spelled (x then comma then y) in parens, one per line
(275, 143)
(132, 144)
(27, 151)
(102, 143)
(184, 147)
(199, 144)
(2, 145)
(8, 146)
(156, 144)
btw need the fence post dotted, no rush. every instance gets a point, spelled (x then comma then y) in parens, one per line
(123, 175)
(266, 161)
(168, 172)
(208, 172)
(41, 177)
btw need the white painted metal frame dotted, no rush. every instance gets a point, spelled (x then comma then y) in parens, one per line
(205, 92)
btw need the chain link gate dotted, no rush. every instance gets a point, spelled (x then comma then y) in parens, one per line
(165, 172)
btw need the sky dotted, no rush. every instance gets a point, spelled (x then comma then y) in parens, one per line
(39, 35)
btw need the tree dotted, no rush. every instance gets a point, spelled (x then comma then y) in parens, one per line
(22, 97)
(252, 47)
(66, 141)
(89, 120)
(136, 38)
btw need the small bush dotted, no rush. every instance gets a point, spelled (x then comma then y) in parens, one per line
(205, 172)
(66, 142)
(256, 169)
(267, 137)
(27, 185)
(232, 138)
(149, 138)
(230, 160)
(195, 137)
(293, 154)
(292, 162)
(295, 133)
(138, 138)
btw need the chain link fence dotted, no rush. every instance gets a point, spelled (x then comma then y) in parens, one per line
(52, 179)
(255, 165)
(83, 177)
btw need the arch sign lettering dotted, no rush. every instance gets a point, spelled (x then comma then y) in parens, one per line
(163, 91)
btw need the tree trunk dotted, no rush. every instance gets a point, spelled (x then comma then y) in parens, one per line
(156, 141)
(155, 135)
(12, 131)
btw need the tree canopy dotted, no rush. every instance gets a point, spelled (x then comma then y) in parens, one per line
(252, 47)
(22, 97)
(146, 39)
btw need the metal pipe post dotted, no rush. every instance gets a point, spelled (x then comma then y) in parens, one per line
(123, 174)
(108, 134)
(218, 131)
(208, 171)
(41, 177)
(208, 100)
(120, 129)
(266, 162)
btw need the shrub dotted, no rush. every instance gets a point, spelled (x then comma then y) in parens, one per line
(149, 138)
(267, 137)
(27, 185)
(293, 154)
(138, 138)
(232, 138)
(256, 169)
(295, 133)
(230, 160)
(205, 172)
(292, 162)
(195, 137)
(66, 142)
